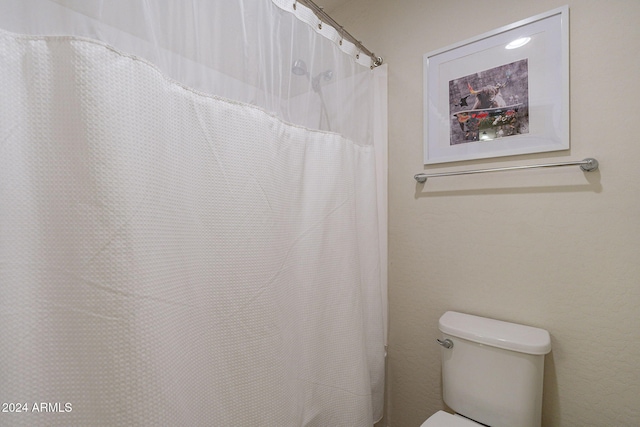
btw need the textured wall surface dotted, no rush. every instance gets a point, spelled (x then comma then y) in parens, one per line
(556, 249)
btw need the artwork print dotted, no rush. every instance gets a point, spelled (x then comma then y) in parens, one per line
(490, 104)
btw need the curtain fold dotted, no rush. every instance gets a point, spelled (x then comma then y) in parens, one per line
(176, 254)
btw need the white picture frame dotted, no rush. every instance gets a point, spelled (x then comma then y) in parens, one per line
(529, 86)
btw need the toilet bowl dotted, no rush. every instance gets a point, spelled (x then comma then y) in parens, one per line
(492, 372)
(445, 419)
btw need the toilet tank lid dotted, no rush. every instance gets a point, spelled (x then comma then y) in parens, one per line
(496, 333)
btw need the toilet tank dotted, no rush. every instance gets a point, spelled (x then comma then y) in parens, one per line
(493, 373)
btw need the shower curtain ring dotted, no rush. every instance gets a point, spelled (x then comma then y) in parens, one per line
(295, 5)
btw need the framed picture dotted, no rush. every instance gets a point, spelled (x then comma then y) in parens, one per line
(502, 93)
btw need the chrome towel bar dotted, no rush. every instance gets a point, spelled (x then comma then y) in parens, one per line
(588, 165)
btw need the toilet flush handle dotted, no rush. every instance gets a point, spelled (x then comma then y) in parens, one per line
(446, 343)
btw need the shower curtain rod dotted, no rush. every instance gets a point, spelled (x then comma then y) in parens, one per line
(588, 165)
(324, 17)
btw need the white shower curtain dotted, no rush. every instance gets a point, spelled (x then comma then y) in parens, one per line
(180, 245)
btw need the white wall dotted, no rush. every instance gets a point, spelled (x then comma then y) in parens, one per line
(558, 249)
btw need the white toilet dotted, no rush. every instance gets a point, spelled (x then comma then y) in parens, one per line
(492, 372)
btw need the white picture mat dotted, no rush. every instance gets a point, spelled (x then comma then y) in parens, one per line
(547, 55)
